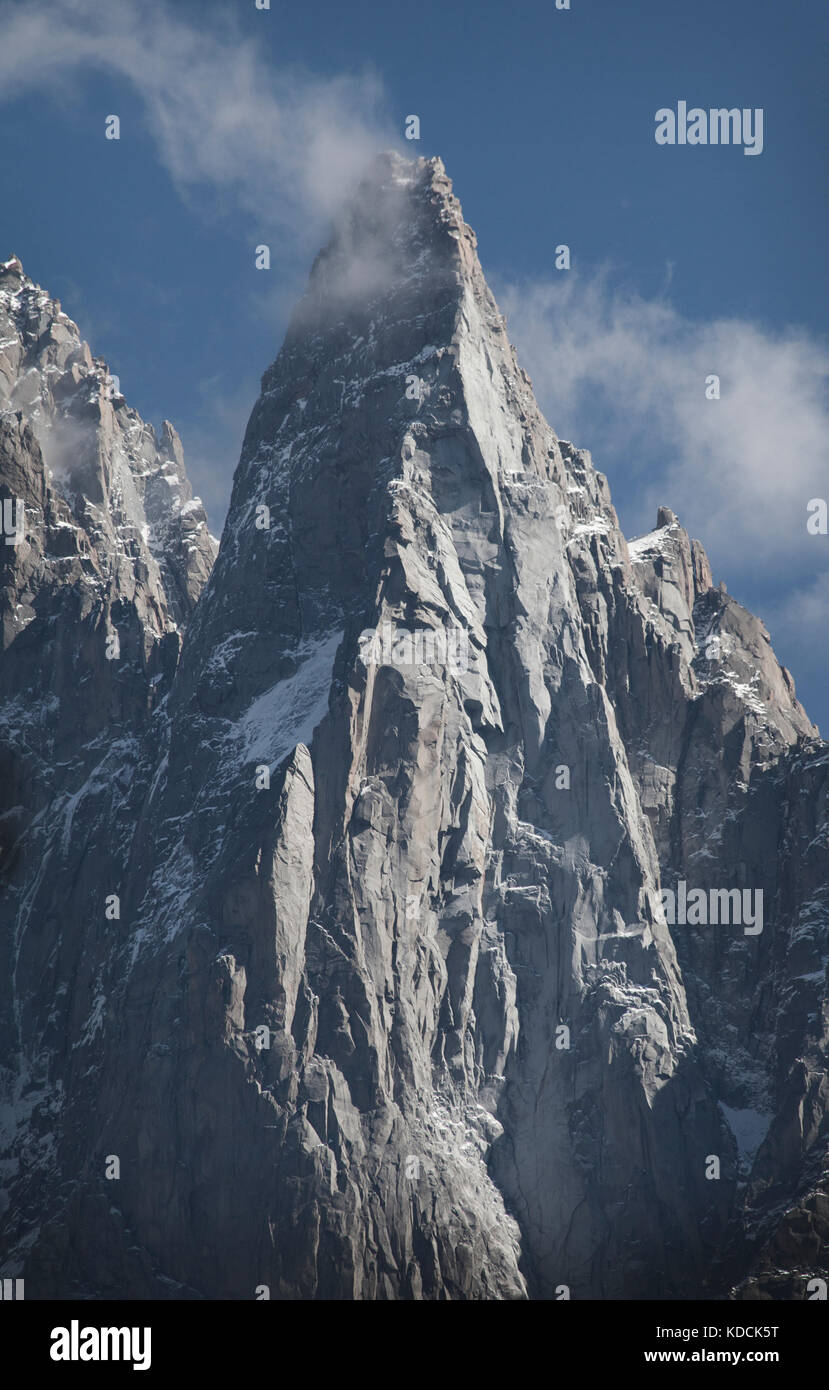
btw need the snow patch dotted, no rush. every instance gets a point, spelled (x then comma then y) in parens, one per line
(288, 713)
(749, 1128)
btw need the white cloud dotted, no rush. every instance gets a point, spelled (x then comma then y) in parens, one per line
(798, 619)
(284, 144)
(625, 377)
(618, 371)
(277, 144)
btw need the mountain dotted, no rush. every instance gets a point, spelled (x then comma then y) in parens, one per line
(350, 947)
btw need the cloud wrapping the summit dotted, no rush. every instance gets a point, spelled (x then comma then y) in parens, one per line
(620, 374)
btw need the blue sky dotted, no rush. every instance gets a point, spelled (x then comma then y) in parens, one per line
(240, 126)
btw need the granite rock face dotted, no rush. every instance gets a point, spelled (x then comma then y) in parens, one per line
(342, 925)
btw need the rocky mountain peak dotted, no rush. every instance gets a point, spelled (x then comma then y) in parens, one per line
(397, 1005)
(13, 267)
(107, 476)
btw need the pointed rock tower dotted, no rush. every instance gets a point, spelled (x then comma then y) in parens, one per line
(393, 1009)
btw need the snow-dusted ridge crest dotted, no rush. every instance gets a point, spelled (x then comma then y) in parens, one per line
(388, 1008)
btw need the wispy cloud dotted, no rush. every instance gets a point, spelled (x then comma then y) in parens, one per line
(285, 144)
(275, 143)
(626, 377)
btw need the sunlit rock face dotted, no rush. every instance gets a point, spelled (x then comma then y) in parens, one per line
(341, 925)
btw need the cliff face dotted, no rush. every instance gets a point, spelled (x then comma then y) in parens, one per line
(391, 1007)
